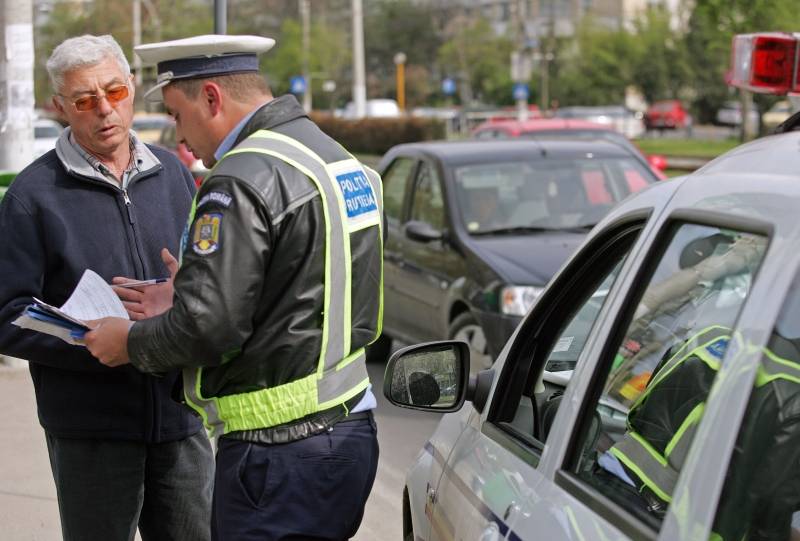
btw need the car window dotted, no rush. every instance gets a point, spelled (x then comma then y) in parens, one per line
(761, 495)
(428, 204)
(654, 387)
(45, 131)
(394, 187)
(486, 134)
(546, 351)
(551, 194)
(168, 137)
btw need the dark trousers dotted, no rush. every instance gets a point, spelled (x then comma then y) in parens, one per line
(108, 488)
(310, 489)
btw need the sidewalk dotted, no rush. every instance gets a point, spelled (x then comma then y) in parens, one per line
(28, 507)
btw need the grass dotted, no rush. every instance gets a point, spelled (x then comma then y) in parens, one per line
(688, 148)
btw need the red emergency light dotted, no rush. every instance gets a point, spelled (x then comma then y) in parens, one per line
(766, 62)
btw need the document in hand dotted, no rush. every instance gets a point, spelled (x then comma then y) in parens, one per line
(92, 298)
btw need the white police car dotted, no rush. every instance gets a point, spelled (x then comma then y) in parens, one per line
(717, 251)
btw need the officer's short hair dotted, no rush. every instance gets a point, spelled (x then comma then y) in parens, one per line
(239, 86)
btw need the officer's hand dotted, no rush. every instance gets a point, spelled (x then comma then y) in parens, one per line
(108, 340)
(148, 301)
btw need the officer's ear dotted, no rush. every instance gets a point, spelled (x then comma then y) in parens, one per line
(211, 93)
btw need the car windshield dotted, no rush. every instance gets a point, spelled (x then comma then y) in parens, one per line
(531, 196)
(142, 124)
(43, 132)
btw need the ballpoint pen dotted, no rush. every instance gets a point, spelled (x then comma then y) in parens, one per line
(142, 283)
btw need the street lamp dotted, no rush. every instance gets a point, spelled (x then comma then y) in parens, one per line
(400, 62)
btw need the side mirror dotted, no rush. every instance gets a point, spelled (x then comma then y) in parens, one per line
(422, 232)
(428, 377)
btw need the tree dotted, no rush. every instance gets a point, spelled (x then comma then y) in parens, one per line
(479, 60)
(400, 26)
(712, 25)
(329, 57)
(593, 68)
(660, 66)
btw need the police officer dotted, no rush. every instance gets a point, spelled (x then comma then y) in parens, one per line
(278, 292)
(762, 490)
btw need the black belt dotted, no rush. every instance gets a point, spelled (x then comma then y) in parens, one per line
(357, 416)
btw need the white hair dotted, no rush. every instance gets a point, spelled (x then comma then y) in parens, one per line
(83, 51)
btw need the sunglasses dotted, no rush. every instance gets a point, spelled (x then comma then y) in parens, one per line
(114, 95)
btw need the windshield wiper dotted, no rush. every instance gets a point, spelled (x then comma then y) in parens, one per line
(521, 230)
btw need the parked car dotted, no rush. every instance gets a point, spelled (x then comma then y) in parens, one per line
(45, 135)
(712, 252)
(148, 126)
(776, 114)
(565, 128)
(730, 114)
(377, 108)
(627, 122)
(667, 114)
(169, 140)
(477, 228)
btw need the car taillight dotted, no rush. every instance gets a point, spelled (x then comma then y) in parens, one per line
(766, 63)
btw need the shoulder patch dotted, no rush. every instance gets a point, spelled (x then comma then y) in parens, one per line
(717, 347)
(205, 238)
(221, 198)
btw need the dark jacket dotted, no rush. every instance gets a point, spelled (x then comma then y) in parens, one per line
(55, 224)
(250, 309)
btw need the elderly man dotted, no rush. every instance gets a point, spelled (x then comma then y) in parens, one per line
(122, 451)
(278, 292)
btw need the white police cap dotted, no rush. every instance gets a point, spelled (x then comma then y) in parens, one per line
(201, 56)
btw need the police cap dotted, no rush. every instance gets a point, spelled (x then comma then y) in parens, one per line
(202, 56)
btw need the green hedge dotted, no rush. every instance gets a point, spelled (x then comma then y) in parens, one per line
(377, 135)
(6, 177)
(5, 181)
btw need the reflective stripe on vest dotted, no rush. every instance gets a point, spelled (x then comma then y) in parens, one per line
(341, 374)
(659, 472)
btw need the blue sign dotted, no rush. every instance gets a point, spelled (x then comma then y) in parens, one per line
(297, 85)
(448, 86)
(520, 91)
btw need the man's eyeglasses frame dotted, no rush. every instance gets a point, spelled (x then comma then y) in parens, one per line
(89, 102)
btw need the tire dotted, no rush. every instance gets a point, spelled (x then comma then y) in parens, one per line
(466, 328)
(379, 350)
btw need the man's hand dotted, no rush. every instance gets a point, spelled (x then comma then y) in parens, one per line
(148, 301)
(108, 340)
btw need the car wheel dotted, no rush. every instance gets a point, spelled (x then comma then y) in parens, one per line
(379, 350)
(465, 328)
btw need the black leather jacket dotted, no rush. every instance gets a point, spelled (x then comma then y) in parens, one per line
(250, 310)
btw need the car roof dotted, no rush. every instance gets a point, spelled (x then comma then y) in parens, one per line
(759, 180)
(481, 151)
(541, 124)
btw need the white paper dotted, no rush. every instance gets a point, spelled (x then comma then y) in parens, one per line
(93, 298)
(27, 322)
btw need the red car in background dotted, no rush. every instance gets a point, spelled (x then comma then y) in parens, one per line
(566, 128)
(169, 140)
(667, 114)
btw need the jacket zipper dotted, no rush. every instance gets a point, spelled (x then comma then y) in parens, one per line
(128, 206)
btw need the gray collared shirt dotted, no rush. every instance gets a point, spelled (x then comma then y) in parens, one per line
(75, 158)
